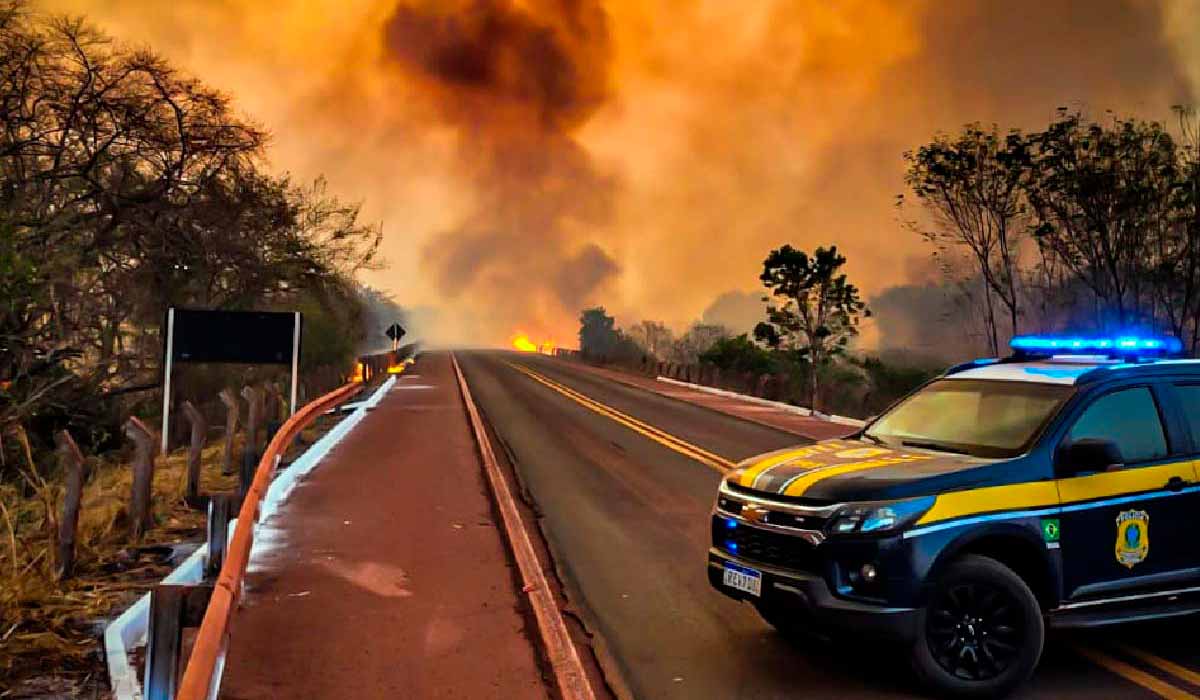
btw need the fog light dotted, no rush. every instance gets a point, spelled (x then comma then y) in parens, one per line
(868, 573)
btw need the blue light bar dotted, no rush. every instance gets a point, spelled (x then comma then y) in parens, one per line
(1079, 345)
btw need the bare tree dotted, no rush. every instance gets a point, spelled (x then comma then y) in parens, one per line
(970, 189)
(1102, 198)
(653, 337)
(696, 340)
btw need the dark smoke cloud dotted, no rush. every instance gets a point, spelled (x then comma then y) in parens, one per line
(583, 273)
(515, 83)
(738, 311)
(929, 320)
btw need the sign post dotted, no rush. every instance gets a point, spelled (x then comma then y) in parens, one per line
(295, 362)
(242, 337)
(168, 363)
(395, 332)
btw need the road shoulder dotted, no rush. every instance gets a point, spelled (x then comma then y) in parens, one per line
(389, 577)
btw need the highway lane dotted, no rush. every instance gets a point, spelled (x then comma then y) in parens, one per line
(625, 513)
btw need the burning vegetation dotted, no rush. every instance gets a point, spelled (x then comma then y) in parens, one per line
(522, 343)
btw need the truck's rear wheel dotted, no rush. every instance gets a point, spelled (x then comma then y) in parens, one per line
(982, 632)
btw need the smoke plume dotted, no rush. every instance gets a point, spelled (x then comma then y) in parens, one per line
(515, 84)
(529, 157)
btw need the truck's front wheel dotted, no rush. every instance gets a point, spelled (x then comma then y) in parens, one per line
(982, 631)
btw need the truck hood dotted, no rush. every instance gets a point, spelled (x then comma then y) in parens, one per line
(840, 471)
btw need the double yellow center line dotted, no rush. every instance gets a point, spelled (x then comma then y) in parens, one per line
(1136, 675)
(662, 437)
(1111, 663)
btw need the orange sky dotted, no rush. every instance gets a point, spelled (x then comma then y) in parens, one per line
(529, 157)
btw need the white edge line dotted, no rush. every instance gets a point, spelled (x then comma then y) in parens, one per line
(573, 682)
(799, 410)
(286, 480)
(128, 630)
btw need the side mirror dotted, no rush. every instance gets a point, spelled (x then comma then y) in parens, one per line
(1088, 455)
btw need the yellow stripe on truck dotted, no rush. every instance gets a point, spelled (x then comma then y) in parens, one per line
(803, 482)
(1123, 481)
(1049, 493)
(990, 499)
(783, 457)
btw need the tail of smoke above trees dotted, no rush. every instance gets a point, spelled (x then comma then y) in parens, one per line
(617, 163)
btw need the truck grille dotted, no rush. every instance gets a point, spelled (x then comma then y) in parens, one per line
(764, 546)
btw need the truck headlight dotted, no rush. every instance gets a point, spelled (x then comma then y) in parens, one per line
(879, 516)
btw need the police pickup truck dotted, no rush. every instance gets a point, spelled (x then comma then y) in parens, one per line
(1053, 488)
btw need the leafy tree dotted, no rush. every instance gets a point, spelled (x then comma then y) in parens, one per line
(597, 333)
(812, 307)
(970, 189)
(739, 354)
(888, 381)
(126, 187)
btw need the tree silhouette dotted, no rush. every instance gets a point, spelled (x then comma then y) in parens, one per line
(812, 307)
(597, 333)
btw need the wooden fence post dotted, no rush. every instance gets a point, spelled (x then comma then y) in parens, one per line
(231, 422)
(70, 460)
(195, 448)
(141, 515)
(273, 398)
(250, 450)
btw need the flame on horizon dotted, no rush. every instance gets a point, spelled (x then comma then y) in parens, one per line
(522, 343)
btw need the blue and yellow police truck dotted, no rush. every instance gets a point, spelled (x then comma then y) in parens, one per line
(1054, 488)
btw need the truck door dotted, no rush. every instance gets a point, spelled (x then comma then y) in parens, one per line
(1125, 529)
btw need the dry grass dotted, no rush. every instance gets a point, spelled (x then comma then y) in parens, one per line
(50, 629)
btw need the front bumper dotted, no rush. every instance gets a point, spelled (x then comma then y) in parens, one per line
(810, 599)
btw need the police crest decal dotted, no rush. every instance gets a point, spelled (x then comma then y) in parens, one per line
(1133, 537)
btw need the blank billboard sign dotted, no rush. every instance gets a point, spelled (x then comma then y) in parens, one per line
(250, 337)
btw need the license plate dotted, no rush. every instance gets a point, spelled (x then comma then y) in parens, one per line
(743, 578)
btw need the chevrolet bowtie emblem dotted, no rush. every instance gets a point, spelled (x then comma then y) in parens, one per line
(754, 514)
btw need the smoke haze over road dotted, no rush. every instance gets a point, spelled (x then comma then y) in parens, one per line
(527, 158)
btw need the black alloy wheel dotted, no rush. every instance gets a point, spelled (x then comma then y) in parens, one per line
(981, 631)
(974, 630)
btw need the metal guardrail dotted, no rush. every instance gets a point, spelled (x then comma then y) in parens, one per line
(174, 607)
(372, 366)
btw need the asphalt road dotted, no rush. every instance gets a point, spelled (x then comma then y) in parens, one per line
(626, 519)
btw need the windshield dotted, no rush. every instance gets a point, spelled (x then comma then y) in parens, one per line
(977, 417)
